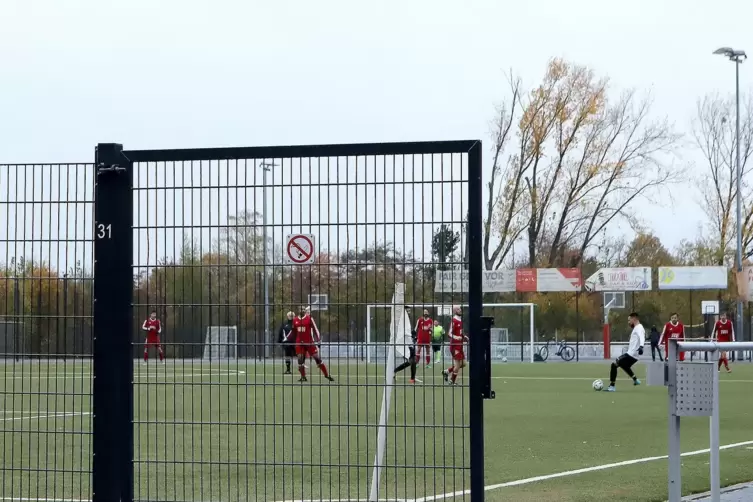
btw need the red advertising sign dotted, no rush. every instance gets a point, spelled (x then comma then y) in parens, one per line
(526, 280)
(529, 280)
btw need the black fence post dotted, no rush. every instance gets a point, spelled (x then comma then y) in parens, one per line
(475, 311)
(112, 469)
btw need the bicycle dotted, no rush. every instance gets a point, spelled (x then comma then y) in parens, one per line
(565, 351)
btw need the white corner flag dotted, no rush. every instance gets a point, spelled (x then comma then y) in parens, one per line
(400, 340)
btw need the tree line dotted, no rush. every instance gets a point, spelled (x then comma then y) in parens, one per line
(571, 158)
(52, 312)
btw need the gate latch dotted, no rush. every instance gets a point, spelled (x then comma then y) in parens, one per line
(103, 168)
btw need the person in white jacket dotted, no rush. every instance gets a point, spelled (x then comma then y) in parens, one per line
(635, 350)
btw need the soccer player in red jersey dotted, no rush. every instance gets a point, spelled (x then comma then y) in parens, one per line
(724, 331)
(153, 328)
(423, 329)
(673, 329)
(307, 337)
(457, 338)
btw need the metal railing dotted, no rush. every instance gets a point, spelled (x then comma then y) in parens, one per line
(705, 402)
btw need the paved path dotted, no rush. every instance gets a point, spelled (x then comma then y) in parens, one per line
(737, 493)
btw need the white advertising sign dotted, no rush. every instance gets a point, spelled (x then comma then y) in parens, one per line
(692, 278)
(745, 284)
(547, 279)
(456, 281)
(620, 279)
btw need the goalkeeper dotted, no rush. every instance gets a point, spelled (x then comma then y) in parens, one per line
(405, 348)
(437, 336)
(286, 338)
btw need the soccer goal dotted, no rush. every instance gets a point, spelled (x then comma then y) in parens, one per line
(221, 343)
(515, 341)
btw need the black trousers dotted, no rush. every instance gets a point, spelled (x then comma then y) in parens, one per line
(655, 347)
(625, 362)
(288, 350)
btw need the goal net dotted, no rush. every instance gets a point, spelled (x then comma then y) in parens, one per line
(500, 339)
(221, 342)
(513, 337)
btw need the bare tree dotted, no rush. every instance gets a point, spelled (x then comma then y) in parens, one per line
(579, 162)
(628, 162)
(504, 206)
(560, 112)
(714, 134)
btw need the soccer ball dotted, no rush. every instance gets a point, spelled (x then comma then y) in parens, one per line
(504, 359)
(598, 385)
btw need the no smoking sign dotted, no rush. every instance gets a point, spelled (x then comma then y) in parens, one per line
(299, 249)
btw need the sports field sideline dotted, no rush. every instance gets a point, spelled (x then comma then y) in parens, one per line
(194, 442)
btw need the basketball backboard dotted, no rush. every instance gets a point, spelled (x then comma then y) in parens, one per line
(710, 307)
(319, 302)
(617, 296)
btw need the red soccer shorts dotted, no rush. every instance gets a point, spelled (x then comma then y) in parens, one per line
(152, 339)
(457, 353)
(311, 350)
(423, 342)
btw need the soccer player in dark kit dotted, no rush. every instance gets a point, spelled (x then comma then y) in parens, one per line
(286, 338)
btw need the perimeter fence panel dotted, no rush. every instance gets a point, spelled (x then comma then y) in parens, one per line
(226, 242)
(46, 338)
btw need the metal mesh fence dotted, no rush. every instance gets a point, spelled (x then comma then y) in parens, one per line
(239, 239)
(46, 341)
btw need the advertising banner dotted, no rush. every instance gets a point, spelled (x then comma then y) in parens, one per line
(548, 279)
(620, 279)
(456, 281)
(745, 284)
(692, 278)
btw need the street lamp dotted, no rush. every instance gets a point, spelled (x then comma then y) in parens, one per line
(266, 167)
(737, 56)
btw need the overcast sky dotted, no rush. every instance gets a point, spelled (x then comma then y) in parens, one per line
(171, 74)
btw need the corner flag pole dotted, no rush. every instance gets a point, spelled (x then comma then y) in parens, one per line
(398, 299)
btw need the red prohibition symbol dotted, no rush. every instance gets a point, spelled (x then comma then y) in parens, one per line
(300, 249)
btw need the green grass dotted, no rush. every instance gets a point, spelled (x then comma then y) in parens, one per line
(246, 432)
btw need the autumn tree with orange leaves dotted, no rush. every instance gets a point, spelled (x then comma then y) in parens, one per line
(568, 159)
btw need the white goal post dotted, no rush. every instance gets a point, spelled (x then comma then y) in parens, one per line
(221, 342)
(370, 344)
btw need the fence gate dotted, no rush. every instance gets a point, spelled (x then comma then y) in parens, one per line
(203, 402)
(46, 222)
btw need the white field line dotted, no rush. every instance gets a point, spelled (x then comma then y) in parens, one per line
(443, 496)
(343, 500)
(381, 377)
(27, 499)
(48, 415)
(79, 376)
(21, 412)
(575, 472)
(168, 374)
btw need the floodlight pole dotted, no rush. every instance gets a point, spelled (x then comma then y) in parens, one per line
(739, 197)
(737, 57)
(605, 331)
(267, 340)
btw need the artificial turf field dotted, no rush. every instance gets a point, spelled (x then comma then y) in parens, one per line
(243, 431)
